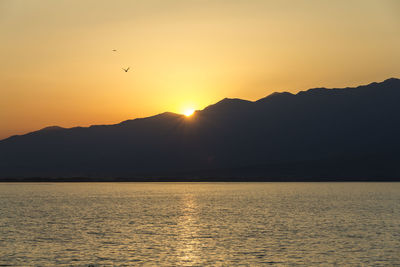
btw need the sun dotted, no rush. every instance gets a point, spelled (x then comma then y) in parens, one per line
(188, 112)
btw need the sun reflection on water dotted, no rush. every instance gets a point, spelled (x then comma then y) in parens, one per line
(189, 245)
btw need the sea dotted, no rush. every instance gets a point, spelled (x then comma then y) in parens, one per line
(199, 224)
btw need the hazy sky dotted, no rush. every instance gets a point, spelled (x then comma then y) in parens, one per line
(57, 66)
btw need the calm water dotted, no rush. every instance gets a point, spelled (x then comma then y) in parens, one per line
(185, 224)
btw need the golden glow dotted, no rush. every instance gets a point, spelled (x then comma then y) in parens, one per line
(189, 249)
(188, 112)
(58, 66)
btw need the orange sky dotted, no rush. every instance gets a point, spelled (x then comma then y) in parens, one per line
(57, 66)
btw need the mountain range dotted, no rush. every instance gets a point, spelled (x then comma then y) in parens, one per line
(349, 134)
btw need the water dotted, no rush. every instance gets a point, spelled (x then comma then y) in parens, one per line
(186, 224)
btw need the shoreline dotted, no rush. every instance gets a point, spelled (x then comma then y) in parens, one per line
(187, 179)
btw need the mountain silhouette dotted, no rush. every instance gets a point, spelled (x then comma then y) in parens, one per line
(320, 134)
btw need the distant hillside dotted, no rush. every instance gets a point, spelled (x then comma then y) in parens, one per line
(318, 134)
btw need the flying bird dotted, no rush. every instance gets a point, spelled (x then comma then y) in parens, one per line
(126, 70)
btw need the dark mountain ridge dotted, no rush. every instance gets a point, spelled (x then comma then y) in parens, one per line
(318, 134)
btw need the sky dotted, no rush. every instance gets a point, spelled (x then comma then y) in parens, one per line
(57, 66)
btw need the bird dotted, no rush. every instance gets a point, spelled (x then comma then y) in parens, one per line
(114, 50)
(126, 70)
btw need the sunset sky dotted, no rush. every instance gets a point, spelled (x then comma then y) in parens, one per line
(57, 66)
